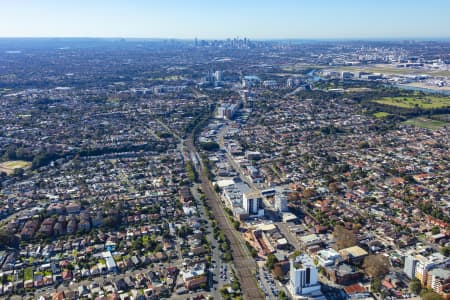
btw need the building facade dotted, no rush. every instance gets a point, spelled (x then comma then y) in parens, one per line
(253, 204)
(303, 276)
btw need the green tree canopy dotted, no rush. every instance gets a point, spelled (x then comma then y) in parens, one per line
(415, 286)
(271, 261)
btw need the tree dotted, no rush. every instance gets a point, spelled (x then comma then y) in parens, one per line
(271, 261)
(111, 221)
(227, 256)
(294, 196)
(445, 251)
(236, 224)
(8, 240)
(185, 231)
(415, 286)
(192, 175)
(376, 266)
(431, 296)
(309, 193)
(252, 250)
(363, 145)
(235, 285)
(376, 285)
(210, 146)
(344, 237)
(351, 184)
(333, 187)
(295, 254)
(282, 295)
(278, 272)
(18, 172)
(435, 230)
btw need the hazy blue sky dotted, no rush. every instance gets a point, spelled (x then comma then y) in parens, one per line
(226, 18)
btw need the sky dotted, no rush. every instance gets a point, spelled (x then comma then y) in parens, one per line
(217, 19)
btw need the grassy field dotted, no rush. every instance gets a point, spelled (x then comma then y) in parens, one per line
(28, 274)
(426, 123)
(428, 102)
(9, 166)
(443, 117)
(381, 114)
(14, 164)
(114, 100)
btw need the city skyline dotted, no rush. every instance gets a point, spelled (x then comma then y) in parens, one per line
(177, 19)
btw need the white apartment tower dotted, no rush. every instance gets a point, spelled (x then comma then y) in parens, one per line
(303, 276)
(252, 204)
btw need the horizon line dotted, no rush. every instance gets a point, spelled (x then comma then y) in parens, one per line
(238, 37)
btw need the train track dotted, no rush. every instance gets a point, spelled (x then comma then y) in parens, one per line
(244, 264)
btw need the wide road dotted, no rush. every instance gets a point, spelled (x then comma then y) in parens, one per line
(244, 264)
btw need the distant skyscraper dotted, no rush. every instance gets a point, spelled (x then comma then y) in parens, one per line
(218, 75)
(290, 82)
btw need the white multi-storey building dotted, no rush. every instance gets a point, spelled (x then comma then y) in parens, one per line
(218, 75)
(252, 204)
(303, 276)
(410, 266)
(281, 203)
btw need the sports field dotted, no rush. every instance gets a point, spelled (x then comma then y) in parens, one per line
(428, 102)
(381, 114)
(10, 166)
(426, 123)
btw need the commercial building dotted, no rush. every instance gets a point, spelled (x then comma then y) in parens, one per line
(281, 203)
(194, 277)
(253, 155)
(357, 291)
(310, 240)
(437, 279)
(303, 276)
(353, 254)
(232, 194)
(343, 273)
(218, 75)
(270, 83)
(327, 257)
(288, 217)
(419, 266)
(109, 260)
(227, 111)
(250, 81)
(410, 266)
(252, 204)
(425, 264)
